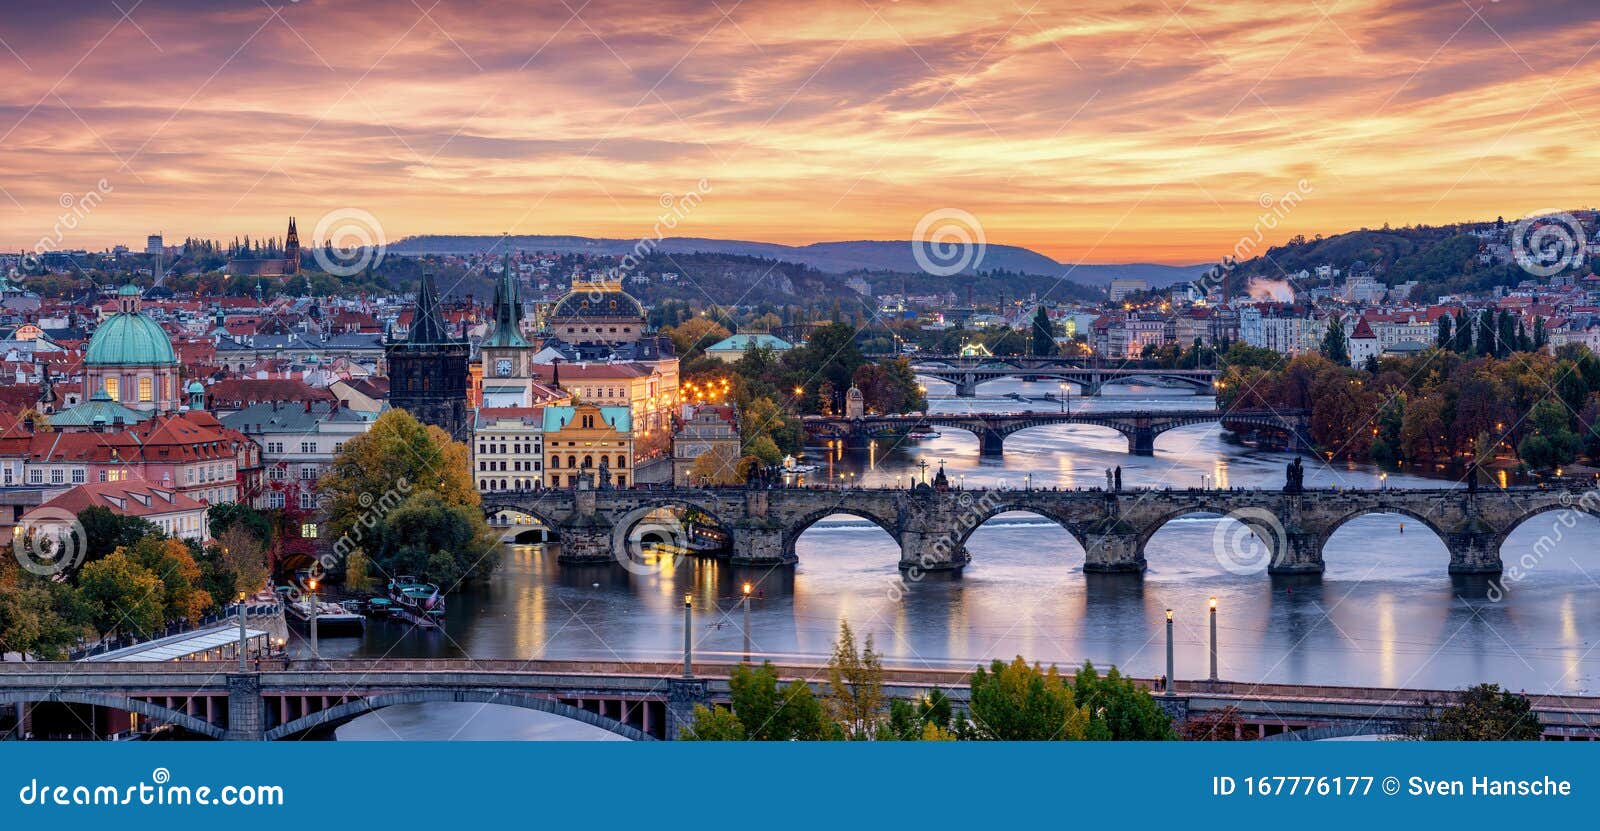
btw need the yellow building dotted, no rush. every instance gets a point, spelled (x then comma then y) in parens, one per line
(588, 438)
(649, 391)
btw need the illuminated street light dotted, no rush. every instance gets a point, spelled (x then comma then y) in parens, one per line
(1213, 639)
(747, 588)
(1168, 685)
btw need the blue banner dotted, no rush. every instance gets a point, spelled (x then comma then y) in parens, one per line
(895, 785)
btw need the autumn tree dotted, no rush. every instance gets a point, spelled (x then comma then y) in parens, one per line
(718, 466)
(122, 595)
(244, 558)
(855, 685)
(1485, 713)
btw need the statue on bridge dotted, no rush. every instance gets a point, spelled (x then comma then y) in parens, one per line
(1109, 480)
(1118, 478)
(1295, 477)
(605, 473)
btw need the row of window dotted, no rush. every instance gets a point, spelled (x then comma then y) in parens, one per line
(275, 499)
(517, 448)
(516, 464)
(305, 447)
(146, 388)
(588, 462)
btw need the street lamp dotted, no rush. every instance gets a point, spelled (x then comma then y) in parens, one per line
(243, 641)
(1063, 397)
(688, 637)
(1383, 481)
(312, 585)
(1168, 690)
(747, 588)
(1213, 639)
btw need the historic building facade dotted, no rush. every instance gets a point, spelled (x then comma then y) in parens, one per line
(130, 360)
(597, 312)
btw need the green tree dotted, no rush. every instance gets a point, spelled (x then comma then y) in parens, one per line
(440, 542)
(39, 616)
(122, 595)
(105, 531)
(1120, 709)
(1335, 347)
(713, 724)
(1018, 702)
(357, 571)
(1044, 333)
(855, 686)
(1485, 713)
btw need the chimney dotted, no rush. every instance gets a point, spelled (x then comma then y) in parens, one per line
(308, 405)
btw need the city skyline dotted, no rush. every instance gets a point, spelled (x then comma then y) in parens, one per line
(1158, 134)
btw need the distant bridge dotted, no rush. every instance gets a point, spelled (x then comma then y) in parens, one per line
(645, 700)
(967, 372)
(1114, 527)
(1140, 427)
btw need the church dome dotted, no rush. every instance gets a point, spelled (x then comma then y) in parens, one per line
(129, 339)
(594, 302)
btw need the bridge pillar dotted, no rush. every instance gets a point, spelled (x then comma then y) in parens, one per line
(1473, 551)
(991, 443)
(759, 543)
(585, 542)
(967, 386)
(682, 696)
(1301, 554)
(1112, 552)
(1142, 441)
(924, 552)
(246, 721)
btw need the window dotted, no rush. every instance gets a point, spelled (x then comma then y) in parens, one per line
(8, 474)
(308, 447)
(35, 476)
(146, 389)
(275, 473)
(274, 447)
(275, 500)
(338, 447)
(77, 475)
(308, 472)
(113, 386)
(307, 501)
(308, 530)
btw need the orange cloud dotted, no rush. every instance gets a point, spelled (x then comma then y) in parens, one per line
(1097, 131)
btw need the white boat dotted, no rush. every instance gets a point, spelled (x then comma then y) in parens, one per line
(792, 466)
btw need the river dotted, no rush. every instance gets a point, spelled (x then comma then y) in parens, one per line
(1385, 613)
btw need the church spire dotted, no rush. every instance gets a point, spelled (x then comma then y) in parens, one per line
(426, 324)
(507, 311)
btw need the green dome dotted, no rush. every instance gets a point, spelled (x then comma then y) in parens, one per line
(129, 339)
(128, 290)
(195, 386)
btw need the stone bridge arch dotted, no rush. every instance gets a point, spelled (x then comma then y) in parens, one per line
(341, 713)
(1586, 503)
(798, 526)
(1431, 523)
(988, 512)
(194, 724)
(550, 529)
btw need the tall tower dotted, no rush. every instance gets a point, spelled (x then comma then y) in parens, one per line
(428, 370)
(291, 250)
(507, 356)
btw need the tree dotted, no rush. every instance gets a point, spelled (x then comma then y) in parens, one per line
(1221, 726)
(1446, 335)
(244, 558)
(223, 517)
(855, 685)
(713, 724)
(1120, 709)
(39, 616)
(171, 561)
(762, 711)
(1044, 333)
(122, 596)
(930, 718)
(391, 483)
(720, 466)
(1018, 702)
(105, 531)
(1335, 347)
(691, 337)
(1485, 713)
(357, 571)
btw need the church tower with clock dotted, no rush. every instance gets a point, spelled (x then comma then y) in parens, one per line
(507, 356)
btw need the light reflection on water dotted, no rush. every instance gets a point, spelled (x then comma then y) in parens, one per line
(1386, 612)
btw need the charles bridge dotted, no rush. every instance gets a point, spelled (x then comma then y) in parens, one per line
(1140, 427)
(287, 700)
(932, 524)
(966, 372)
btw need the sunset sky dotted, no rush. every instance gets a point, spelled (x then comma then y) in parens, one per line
(1090, 131)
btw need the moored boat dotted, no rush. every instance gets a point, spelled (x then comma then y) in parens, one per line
(423, 600)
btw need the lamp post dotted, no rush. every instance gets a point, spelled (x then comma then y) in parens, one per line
(312, 585)
(243, 667)
(1063, 398)
(688, 637)
(1213, 639)
(747, 588)
(1168, 685)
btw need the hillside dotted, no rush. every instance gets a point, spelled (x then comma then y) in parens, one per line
(832, 257)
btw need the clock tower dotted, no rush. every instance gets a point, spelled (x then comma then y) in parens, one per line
(507, 356)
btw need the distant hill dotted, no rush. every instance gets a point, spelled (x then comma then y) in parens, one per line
(833, 257)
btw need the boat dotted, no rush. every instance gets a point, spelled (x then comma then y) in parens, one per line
(332, 618)
(380, 607)
(355, 605)
(416, 598)
(790, 465)
(921, 434)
